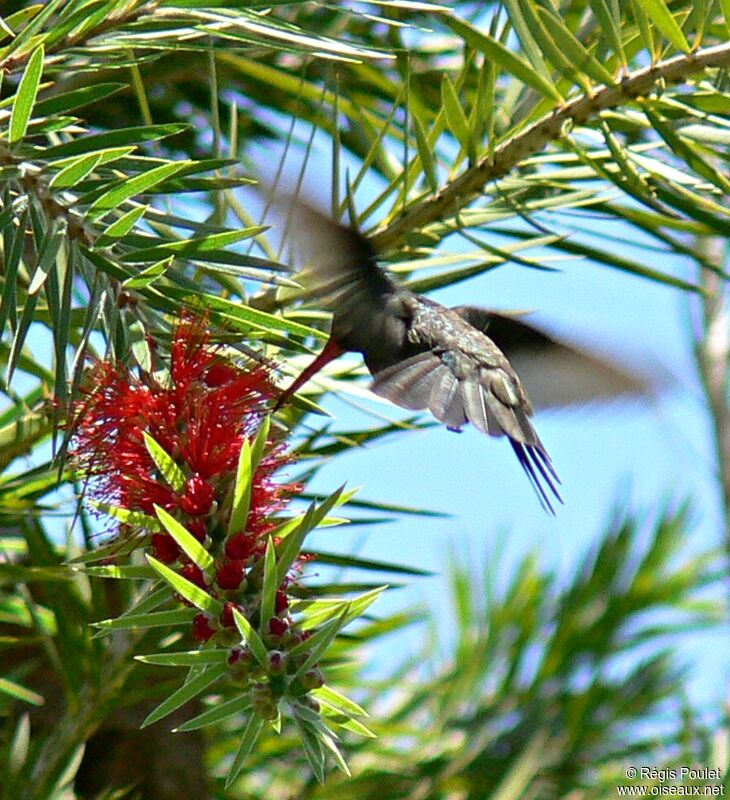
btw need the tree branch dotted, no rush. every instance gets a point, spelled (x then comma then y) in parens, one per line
(712, 355)
(532, 140)
(14, 63)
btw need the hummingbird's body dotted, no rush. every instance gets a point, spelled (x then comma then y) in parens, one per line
(424, 355)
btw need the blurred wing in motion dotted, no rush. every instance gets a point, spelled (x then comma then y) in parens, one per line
(554, 374)
(340, 264)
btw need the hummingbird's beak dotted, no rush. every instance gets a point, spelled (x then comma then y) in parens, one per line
(331, 350)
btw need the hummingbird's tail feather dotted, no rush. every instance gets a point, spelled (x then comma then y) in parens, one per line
(445, 402)
(482, 398)
(408, 383)
(485, 412)
(489, 413)
(533, 460)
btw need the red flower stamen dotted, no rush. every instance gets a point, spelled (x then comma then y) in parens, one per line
(198, 497)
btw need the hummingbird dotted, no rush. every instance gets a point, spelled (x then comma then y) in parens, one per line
(459, 363)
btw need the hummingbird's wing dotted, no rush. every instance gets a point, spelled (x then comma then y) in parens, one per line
(341, 271)
(555, 374)
(461, 376)
(340, 264)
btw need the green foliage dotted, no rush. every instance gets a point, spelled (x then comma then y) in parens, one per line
(127, 134)
(550, 686)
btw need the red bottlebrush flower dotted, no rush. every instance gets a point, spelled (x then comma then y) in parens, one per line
(201, 414)
(198, 497)
(201, 417)
(230, 574)
(203, 630)
(164, 548)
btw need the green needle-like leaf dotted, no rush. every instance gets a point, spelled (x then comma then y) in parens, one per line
(19, 692)
(132, 187)
(316, 646)
(248, 461)
(662, 17)
(241, 491)
(337, 700)
(186, 692)
(192, 658)
(250, 637)
(197, 596)
(316, 612)
(292, 544)
(268, 590)
(122, 226)
(500, 53)
(456, 118)
(425, 154)
(248, 740)
(111, 139)
(149, 275)
(192, 548)
(198, 247)
(216, 714)
(174, 476)
(155, 619)
(76, 171)
(26, 95)
(136, 518)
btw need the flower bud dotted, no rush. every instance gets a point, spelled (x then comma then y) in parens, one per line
(263, 702)
(281, 601)
(278, 627)
(313, 679)
(194, 574)
(240, 662)
(226, 619)
(203, 629)
(276, 662)
(198, 529)
(240, 546)
(240, 656)
(164, 548)
(230, 574)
